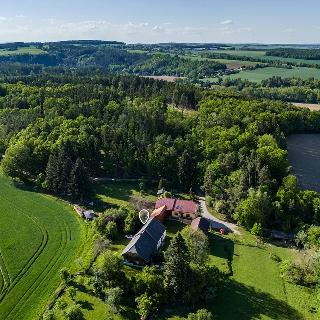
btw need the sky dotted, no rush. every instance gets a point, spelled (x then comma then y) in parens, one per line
(154, 21)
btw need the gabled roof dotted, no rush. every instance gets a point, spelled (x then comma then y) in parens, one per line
(168, 202)
(145, 242)
(200, 223)
(160, 212)
(185, 206)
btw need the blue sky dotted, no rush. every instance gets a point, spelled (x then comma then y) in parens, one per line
(150, 21)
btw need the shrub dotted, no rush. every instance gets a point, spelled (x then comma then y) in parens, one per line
(201, 314)
(111, 230)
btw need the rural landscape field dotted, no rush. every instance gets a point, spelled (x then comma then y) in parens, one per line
(159, 161)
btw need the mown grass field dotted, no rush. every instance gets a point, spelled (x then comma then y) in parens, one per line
(254, 290)
(22, 50)
(39, 236)
(261, 55)
(258, 75)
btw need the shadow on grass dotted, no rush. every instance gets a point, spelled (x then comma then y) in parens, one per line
(223, 248)
(85, 305)
(241, 302)
(237, 301)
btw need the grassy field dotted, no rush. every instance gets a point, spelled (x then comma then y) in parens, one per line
(39, 235)
(254, 290)
(261, 55)
(258, 75)
(22, 50)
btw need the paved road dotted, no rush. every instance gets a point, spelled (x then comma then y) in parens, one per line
(215, 222)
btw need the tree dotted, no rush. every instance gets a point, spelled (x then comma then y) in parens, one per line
(186, 170)
(79, 182)
(146, 305)
(176, 268)
(114, 297)
(197, 243)
(111, 268)
(52, 175)
(72, 292)
(256, 231)
(65, 275)
(201, 314)
(111, 230)
(17, 162)
(149, 281)
(74, 313)
(254, 209)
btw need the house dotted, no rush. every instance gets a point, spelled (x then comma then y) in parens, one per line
(202, 224)
(185, 209)
(160, 213)
(145, 244)
(88, 215)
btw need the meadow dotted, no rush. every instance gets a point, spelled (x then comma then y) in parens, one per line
(261, 55)
(260, 74)
(39, 236)
(254, 289)
(21, 50)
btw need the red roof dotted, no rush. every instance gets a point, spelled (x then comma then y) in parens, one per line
(168, 202)
(159, 213)
(185, 206)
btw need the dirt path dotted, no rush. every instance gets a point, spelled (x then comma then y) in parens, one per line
(217, 223)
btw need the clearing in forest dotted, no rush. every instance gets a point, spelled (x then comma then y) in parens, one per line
(304, 157)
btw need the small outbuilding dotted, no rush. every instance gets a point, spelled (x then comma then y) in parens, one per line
(88, 215)
(202, 224)
(145, 244)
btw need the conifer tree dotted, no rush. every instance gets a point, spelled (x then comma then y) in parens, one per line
(177, 268)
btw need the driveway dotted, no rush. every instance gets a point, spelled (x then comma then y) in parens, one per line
(215, 222)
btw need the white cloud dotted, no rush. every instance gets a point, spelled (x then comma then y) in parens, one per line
(289, 30)
(3, 18)
(226, 22)
(20, 16)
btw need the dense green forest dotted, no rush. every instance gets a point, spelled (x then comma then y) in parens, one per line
(277, 88)
(125, 126)
(110, 56)
(308, 54)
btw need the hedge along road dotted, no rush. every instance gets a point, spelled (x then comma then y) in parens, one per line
(39, 235)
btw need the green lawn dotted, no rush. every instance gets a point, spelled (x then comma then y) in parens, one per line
(118, 193)
(258, 75)
(39, 235)
(254, 289)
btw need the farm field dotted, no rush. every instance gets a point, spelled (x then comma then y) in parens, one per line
(304, 158)
(261, 55)
(39, 236)
(22, 50)
(311, 106)
(258, 75)
(254, 291)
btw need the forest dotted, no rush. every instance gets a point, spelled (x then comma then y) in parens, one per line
(308, 54)
(60, 131)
